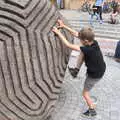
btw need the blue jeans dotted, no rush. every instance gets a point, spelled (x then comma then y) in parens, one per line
(59, 3)
(92, 16)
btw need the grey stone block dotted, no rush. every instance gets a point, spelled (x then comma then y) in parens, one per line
(32, 59)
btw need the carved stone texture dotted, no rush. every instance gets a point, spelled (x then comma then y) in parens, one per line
(32, 59)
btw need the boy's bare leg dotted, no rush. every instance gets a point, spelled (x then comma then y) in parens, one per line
(80, 60)
(88, 99)
(74, 71)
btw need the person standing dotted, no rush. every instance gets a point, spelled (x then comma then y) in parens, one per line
(59, 4)
(99, 5)
(114, 3)
(114, 17)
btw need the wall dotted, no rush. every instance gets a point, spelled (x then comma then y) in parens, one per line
(32, 59)
(73, 4)
(76, 4)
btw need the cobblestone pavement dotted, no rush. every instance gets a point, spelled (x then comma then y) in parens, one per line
(71, 104)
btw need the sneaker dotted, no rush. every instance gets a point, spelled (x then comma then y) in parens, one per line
(73, 71)
(101, 22)
(91, 24)
(90, 113)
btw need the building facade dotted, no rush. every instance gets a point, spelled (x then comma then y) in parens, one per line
(72, 4)
(68, 4)
(76, 4)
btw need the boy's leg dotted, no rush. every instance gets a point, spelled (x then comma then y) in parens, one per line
(74, 71)
(91, 111)
(88, 99)
(88, 85)
(80, 60)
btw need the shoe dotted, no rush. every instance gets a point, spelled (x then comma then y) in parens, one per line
(90, 113)
(101, 22)
(91, 24)
(73, 71)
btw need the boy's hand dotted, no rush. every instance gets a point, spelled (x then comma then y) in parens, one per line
(55, 30)
(61, 23)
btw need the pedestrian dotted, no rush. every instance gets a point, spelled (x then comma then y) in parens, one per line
(94, 13)
(59, 4)
(117, 52)
(93, 60)
(114, 17)
(114, 3)
(106, 7)
(99, 4)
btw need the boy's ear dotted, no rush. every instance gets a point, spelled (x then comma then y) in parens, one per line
(86, 41)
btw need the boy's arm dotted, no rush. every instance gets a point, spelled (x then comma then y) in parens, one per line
(62, 25)
(67, 43)
(74, 32)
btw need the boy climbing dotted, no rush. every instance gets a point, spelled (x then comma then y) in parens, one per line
(93, 60)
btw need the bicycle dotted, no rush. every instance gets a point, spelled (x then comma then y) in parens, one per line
(85, 6)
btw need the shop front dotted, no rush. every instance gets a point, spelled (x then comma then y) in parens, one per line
(59, 3)
(73, 4)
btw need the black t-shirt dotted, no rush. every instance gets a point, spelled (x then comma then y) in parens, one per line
(94, 60)
(94, 10)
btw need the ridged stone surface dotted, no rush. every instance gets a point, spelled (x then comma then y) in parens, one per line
(32, 59)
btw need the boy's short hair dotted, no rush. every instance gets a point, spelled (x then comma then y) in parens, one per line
(86, 34)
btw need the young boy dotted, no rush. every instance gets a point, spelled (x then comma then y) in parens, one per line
(93, 60)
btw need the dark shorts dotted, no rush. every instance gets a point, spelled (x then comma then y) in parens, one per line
(90, 82)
